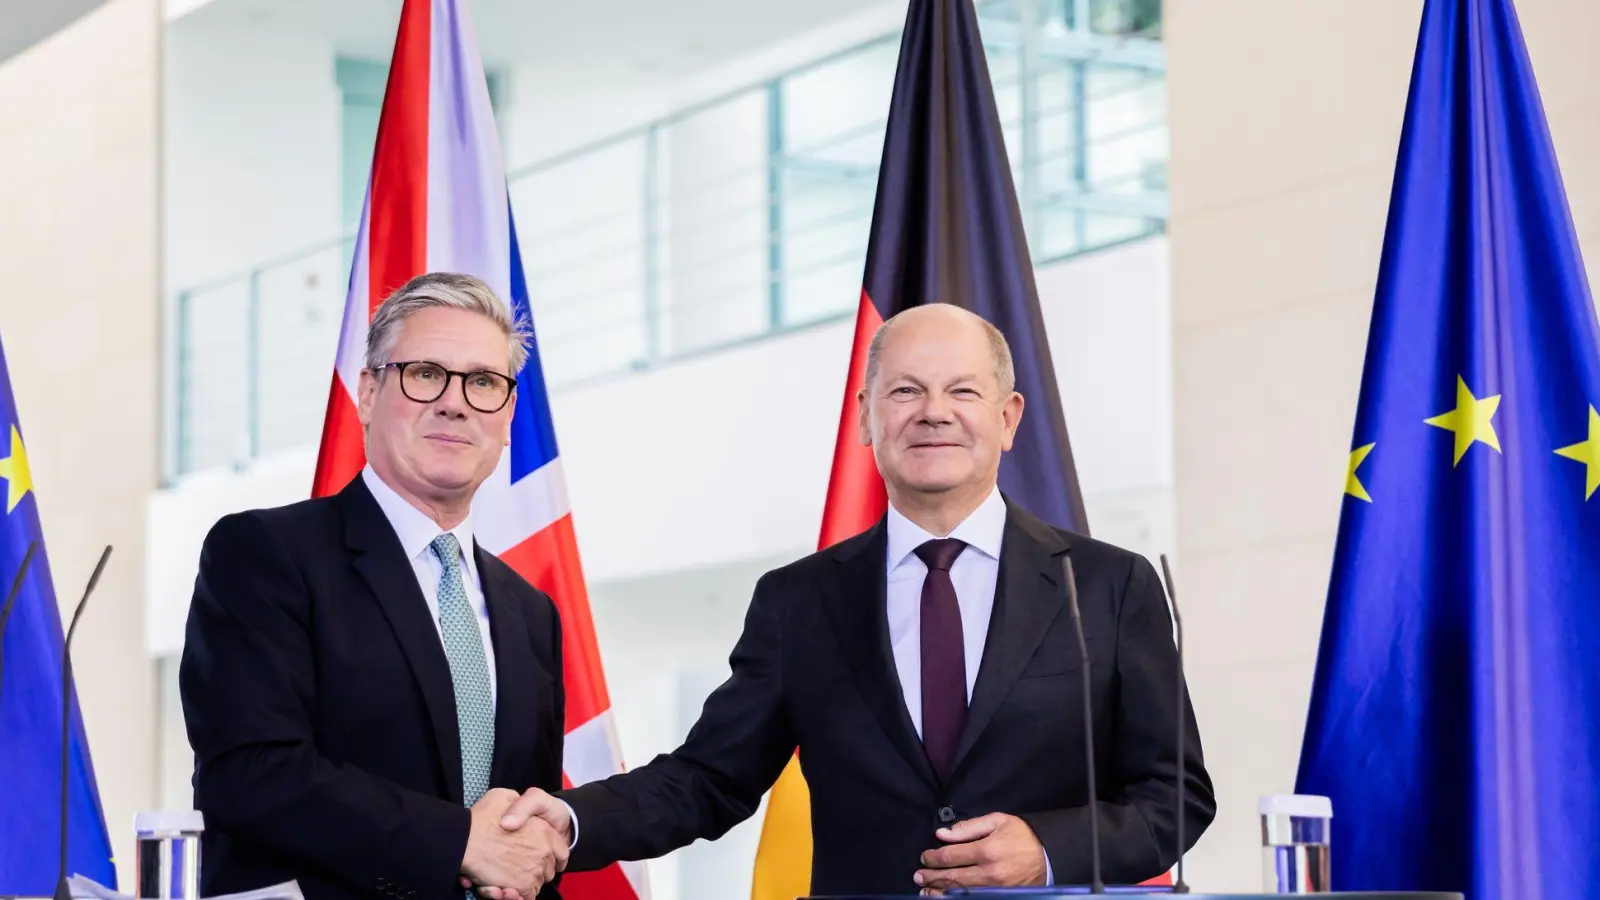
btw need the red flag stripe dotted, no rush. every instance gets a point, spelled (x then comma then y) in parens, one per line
(398, 207)
(856, 496)
(343, 452)
(549, 559)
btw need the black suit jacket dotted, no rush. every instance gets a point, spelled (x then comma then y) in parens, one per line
(319, 705)
(813, 669)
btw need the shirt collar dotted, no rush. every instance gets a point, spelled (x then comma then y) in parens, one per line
(982, 530)
(415, 530)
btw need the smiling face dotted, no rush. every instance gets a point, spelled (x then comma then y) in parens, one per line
(436, 454)
(935, 412)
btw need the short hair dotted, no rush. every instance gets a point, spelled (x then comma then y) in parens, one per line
(1005, 370)
(447, 290)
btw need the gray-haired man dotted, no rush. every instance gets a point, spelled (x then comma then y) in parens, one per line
(365, 689)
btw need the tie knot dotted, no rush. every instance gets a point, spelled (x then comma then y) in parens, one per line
(941, 554)
(447, 548)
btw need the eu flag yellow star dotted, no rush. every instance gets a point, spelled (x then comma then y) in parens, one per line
(1587, 452)
(1470, 420)
(14, 469)
(1352, 484)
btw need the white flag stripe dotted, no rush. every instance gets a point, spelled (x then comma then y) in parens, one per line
(468, 220)
(505, 514)
(353, 333)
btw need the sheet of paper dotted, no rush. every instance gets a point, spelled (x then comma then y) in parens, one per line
(89, 889)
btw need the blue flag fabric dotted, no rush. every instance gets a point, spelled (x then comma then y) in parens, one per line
(1457, 691)
(30, 701)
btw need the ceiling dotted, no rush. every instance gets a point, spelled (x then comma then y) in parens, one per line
(578, 37)
(24, 23)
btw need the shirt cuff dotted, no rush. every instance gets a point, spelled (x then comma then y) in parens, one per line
(573, 818)
(1049, 875)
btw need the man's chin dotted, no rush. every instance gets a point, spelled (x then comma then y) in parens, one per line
(449, 479)
(934, 485)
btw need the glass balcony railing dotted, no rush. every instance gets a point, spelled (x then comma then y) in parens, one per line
(739, 218)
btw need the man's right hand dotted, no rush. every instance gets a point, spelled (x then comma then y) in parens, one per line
(536, 804)
(518, 862)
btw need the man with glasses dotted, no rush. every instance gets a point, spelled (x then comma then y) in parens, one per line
(365, 689)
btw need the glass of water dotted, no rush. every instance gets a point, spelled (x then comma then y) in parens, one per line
(1294, 843)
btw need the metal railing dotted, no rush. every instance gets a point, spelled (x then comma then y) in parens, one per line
(740, 217)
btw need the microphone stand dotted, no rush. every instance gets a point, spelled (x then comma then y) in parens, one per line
(63, 891)
(11, 598)
(1172, 598)
(1096, 886)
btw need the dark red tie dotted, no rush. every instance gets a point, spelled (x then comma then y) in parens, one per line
(944, 656)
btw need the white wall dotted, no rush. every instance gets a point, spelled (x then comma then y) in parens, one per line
(717, 202)
(1285, 126)
(549, 121)
(587, 256)
(80, 317)
(251, 175)
(252, 147)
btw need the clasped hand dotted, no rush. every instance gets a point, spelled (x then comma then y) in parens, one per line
(996, 850)
(516, 845)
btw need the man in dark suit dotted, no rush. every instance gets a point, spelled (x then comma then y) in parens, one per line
(929, 674)
(365, 689)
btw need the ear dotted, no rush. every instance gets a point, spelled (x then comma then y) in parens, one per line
(1011, 416)
(863, 418)
(366, 396)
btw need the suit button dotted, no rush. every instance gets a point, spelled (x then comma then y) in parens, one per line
(946, 815)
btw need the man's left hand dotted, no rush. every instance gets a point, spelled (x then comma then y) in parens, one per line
(996, 850)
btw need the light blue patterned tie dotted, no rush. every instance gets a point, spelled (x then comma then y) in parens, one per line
(463, 646)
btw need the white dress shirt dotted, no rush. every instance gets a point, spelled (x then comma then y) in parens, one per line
(416, 532)
(974, 575)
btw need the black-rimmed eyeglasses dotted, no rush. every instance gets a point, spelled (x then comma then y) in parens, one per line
(425, 382)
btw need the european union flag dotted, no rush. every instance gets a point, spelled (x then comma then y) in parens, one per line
(30, 701)
(1455, 716)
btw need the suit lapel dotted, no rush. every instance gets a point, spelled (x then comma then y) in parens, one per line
(383, 565)
(857, 607)
(515, 714)
(1028, 597)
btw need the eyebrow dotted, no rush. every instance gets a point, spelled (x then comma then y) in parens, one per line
(475, 366)
(919, 383)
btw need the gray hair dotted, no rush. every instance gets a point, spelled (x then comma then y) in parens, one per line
(1005, 370)
(448, 290)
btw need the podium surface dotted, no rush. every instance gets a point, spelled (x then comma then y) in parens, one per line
(1151, 891)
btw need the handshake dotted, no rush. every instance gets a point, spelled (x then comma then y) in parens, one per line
(517, 844)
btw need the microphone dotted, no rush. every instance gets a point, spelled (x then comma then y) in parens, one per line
(1179, 887)
(63, 892)
(1096, 886)
(11, 598)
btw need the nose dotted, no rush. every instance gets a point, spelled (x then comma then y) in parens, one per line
(451, 404)
(935, 408)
